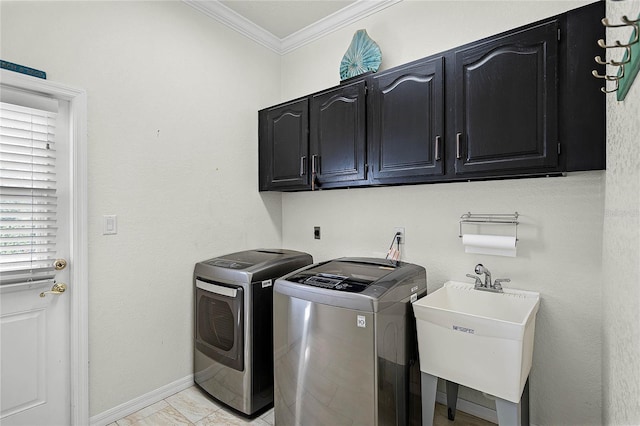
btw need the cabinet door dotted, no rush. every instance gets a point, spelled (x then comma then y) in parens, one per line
(506, 103)
(338, 134)
(406, 122)
(284, 143)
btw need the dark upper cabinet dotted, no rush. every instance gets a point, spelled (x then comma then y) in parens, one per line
(284, 144)
(520, 103)
(582, 112)
(338, 135)
(506, 103)
(406, 123)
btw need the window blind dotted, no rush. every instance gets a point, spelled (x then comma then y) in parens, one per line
(28, 199)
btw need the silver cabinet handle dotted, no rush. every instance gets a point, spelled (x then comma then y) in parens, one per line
(303, 160)
(458, 136)
(314, 171)
(437, 148)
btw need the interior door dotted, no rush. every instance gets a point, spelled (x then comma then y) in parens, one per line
(34, 317)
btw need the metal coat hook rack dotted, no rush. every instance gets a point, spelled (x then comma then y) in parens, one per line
(627, 68)
(496, 219)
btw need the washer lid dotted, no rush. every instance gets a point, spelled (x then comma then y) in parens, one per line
(360, 283)
(351, 275)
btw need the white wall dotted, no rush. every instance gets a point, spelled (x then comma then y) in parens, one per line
(172, 105)
(560, 248)
(409, 30)
(621, 250)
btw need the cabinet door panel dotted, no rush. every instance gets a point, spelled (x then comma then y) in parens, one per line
(406, 120)
(506, 103)
(284, 156)
(338, 136)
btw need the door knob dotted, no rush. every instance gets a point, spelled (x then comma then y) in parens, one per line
(57, 288)
(59, 264)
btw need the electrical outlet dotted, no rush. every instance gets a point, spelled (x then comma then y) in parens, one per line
(400, 229)
(316, 232)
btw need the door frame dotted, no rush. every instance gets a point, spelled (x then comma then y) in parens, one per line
(79, 310)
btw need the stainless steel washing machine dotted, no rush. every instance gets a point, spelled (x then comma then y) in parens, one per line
(233, 356)
(345, 343)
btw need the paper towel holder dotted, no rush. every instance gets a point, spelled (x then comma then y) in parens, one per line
(496, 219)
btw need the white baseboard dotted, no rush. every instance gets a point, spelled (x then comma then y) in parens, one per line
(470, 408)
(136, 404)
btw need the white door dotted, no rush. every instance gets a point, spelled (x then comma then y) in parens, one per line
(34, 325)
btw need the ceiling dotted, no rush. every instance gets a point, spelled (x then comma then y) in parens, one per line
(285, 25)
(283, 18)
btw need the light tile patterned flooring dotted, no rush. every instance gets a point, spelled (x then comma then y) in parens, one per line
(192, 407)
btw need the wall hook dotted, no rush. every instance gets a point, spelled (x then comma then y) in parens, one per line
(623, 78)
(626, 59)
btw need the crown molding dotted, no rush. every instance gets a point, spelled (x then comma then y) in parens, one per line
(221, 13)
(343, 17)
(352, 13)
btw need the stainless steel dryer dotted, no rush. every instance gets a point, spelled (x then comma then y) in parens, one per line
(345, 343)
(233, 356)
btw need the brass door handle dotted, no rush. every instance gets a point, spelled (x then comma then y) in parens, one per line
(57, 288)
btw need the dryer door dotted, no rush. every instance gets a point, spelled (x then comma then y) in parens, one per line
(220, 322)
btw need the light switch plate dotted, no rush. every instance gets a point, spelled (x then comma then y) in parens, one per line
(109, 224)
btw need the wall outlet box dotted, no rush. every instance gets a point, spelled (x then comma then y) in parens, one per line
(400, 230)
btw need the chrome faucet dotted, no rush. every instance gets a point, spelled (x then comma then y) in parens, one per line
(488, 285)
(480, 269)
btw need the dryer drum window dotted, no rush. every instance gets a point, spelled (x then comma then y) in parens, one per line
(217, 325)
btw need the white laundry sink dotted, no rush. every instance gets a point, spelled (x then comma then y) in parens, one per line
(478, 339)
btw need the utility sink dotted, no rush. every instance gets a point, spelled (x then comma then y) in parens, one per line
(478, 339)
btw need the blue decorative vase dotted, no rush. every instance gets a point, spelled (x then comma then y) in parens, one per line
(363, 55)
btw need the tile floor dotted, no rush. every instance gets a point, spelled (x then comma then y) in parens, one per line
(192, 407)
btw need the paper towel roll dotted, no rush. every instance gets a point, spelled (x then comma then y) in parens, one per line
(496, 245)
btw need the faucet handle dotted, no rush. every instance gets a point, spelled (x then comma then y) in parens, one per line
(497, 284)
(478, 282)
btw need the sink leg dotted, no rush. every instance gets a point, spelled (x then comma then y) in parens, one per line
(524, 404)
(452, 399)
(511, 413)
(429, 387)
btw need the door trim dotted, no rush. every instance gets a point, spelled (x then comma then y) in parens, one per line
(79, 314)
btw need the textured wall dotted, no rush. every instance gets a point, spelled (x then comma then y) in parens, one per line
(172, 108)
(621, 249)
(560, 249)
